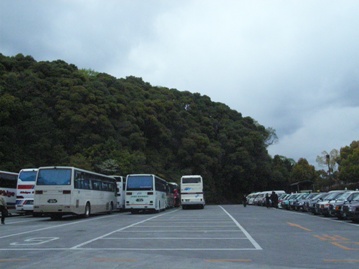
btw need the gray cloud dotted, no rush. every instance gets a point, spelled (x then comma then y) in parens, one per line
(290, 65)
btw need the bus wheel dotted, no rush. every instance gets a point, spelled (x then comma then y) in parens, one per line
(56, 217)
(87, 210)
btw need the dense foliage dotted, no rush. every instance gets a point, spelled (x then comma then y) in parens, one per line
(52, 113)
(349, 164)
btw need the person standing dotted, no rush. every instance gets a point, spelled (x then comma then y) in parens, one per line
(274, 198)
(244, 200)
(3, 208)
(267, 200)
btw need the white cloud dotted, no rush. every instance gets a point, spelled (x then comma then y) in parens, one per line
(287, 64)
(322, 130)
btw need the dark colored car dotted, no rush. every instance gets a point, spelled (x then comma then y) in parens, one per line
(351, 210)
(322, 207)
(313, 202)
(335, 209)
(307, 199)
(298, 203)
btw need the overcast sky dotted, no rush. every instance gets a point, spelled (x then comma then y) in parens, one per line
(290, 65)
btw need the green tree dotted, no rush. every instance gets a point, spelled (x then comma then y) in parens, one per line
(349, 163)
(303, 171)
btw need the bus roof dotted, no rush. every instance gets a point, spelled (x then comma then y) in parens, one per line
(29, 169)
(191, 176)
(10, 173)
(72, 167)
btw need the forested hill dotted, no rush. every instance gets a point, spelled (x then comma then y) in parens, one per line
(52, 113)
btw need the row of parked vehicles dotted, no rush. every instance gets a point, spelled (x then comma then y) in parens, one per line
(341, 204)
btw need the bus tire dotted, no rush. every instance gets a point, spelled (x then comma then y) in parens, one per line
(56, 217)
(87, 210)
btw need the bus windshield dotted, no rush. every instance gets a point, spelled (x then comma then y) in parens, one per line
(54, 177)
(140, 183)
(27, 176)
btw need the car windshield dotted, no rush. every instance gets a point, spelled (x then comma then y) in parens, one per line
(304, 196)
(312, 195)
(355, 197)
(333, 195)
(344, 196)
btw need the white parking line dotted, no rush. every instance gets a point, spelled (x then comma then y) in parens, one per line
(138, 225)
(174, 238)
(48, 228)
(134, 224)
(186, 231)
(255, 244)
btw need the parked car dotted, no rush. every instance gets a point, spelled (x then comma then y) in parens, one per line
(258, 199)
(308, 199)
(287, 202)
(312, 204)
(335, 209)
(261, 197)
(281, 198)
(251, 197)
(298, 203)
(322, 207)
(351, 209)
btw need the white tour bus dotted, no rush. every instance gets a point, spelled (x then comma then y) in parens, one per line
(121, 185)
(25, 190)
(62, 190)
(8, 181)
(192, 191)
(145, 192)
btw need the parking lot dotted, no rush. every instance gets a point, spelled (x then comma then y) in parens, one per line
(217, 237)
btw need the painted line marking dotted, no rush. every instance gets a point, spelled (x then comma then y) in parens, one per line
(52, 227)
(250, 238)
(299, 226)
(341, 246)
(173, 238)
(113, 260)
(131, 249)
(337, 241)
(35, 241)
(202, 227)
(341, 261)
(124, 228)
(183, 231)
(14, 260)
(228, 260)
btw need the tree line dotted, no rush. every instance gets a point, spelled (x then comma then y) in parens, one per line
(52, 113)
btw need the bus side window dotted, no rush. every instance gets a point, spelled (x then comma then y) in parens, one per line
(96, 185)
(105, 186)
(86, 184)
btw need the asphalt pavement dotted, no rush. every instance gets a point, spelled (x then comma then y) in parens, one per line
(219, 236)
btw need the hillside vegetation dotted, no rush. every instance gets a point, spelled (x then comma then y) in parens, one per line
(52, 113)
